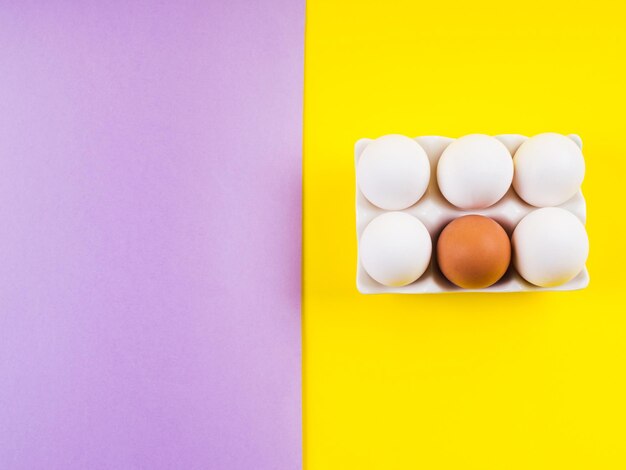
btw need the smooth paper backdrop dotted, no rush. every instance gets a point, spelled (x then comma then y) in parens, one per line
(462, 381)
(150, 193)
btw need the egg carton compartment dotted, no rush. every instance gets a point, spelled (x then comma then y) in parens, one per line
(435, 212)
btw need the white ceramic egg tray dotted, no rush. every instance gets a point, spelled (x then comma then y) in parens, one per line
(435, 212)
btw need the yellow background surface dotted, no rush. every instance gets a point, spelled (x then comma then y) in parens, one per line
(465, 381)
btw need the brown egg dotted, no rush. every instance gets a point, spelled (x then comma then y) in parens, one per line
(473, 251)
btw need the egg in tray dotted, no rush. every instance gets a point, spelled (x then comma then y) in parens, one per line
(477, 213)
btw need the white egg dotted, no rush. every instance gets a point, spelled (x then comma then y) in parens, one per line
(393, 172)
(395, 249)
(475, 171)
(550, 247)
(549, 169)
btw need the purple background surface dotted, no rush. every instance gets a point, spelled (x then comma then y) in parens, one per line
(150, 234)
